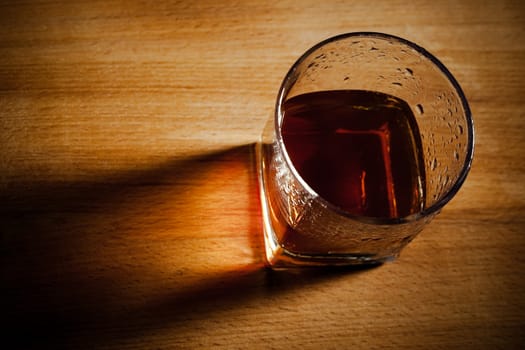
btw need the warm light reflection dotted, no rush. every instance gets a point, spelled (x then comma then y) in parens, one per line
(205, 216)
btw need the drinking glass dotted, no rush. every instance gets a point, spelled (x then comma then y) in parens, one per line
(303, 226)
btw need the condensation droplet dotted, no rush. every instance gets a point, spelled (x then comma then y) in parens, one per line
(409, 71)
(446, 180)
(346, 78)
(460, 129)
(397, 83)
(420, 109)
(433, 165)
(456, 155)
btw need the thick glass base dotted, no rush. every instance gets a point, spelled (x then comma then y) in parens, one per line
(277, 257)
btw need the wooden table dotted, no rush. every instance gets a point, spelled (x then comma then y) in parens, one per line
(129, 209)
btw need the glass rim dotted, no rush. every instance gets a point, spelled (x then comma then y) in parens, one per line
(426, 212)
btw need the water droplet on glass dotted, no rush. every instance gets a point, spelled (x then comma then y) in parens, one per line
(420, 109)
(433, 165)
(446, 180)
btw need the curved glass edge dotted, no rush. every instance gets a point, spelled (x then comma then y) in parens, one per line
(434, 208)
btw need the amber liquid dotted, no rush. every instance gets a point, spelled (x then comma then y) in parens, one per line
(358, 150)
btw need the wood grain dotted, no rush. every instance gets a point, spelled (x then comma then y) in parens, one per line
(129, 211)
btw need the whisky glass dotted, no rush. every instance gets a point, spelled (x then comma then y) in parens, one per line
(307, 164)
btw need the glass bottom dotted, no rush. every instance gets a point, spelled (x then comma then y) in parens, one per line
(278, 257)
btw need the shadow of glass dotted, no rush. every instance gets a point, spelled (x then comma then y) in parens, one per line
(164, 247)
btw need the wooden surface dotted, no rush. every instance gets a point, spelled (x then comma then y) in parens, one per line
(129, 211)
